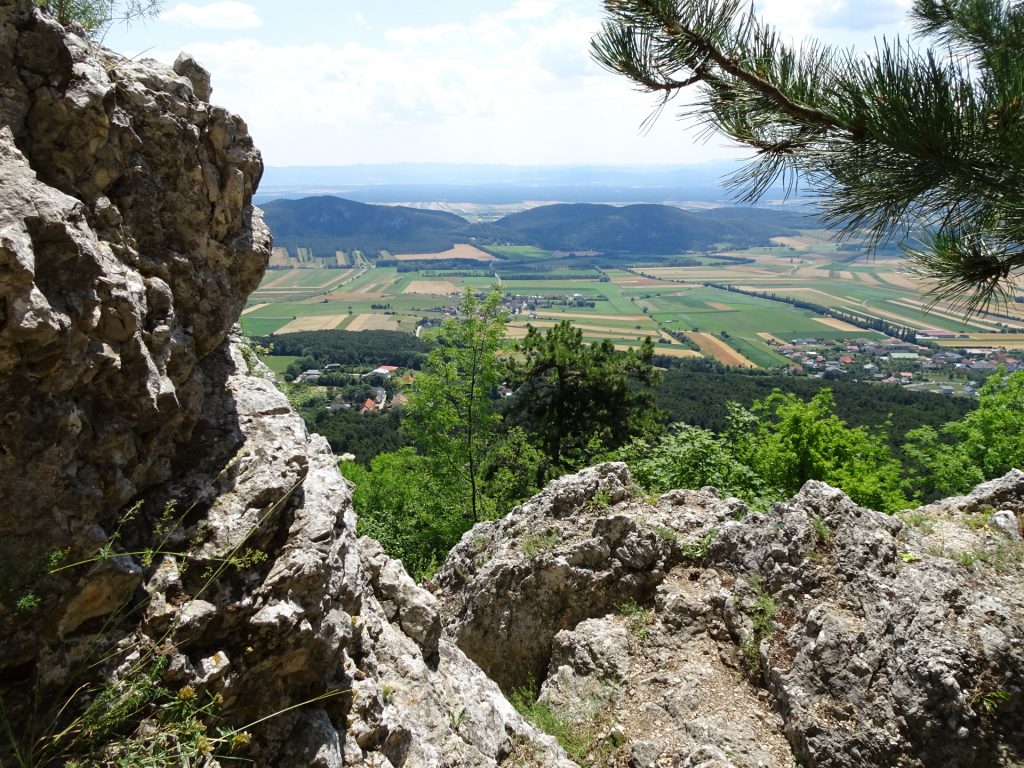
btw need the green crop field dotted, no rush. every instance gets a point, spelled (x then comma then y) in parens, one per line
(518, 252)
(628, 305)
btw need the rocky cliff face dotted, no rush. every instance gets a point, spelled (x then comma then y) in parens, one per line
(687, 631)
(167, 520)
(128, 245)
(171, 534)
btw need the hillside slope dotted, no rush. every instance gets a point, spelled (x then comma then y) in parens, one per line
(326, 224)
(645, 228)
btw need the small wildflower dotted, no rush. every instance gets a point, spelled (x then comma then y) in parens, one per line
(218, 699)
(186, 693)
(204, 746)
(240, 741)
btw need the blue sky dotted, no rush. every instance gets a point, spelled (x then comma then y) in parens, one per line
(336, 82)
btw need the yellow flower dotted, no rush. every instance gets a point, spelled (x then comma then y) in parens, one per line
(240, 741)
(186, 693)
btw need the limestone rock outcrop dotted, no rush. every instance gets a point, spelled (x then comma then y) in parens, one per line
(688, 630)
(170, 528)
(168, 525)
(128, 246)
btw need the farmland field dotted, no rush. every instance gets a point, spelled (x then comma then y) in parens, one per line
(785, 292)
(460, 251)
(432, 287)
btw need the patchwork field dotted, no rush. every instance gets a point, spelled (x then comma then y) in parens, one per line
(313, 323)
(838, 325)
(637, 298)
(460, 251)
(718, 349)
(374, 323)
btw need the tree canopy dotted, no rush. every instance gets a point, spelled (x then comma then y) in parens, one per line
(578, 400)
(904, 141)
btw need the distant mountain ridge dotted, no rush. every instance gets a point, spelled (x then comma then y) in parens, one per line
(327, 223)
(644, 228)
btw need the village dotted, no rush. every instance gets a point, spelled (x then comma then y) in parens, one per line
(891, 361)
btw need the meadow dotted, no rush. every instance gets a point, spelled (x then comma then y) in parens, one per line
(641, 296)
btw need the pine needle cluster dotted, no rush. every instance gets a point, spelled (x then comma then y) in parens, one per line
(922, 145)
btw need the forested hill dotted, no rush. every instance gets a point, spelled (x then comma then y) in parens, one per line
(326, 224)
(647, 228)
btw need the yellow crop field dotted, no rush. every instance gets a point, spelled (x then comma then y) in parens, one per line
(838, 325)
(373, 322)
(432, 287)
(459, 251)
(313, 323)
(719, 350)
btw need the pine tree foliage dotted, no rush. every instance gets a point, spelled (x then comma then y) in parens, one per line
(905, 140)
(97, 16)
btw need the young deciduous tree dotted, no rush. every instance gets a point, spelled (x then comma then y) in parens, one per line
(787, 442)
(905, 139)
(451, 410)
(986, 443)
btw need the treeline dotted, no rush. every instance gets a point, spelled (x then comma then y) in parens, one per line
(349, 348)
(581, 275)
(365, 435)
(416, 265)
(698, 393)
(768, 451)
(861, 321)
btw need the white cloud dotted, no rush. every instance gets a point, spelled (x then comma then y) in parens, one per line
(528, 9)
(220, 15)
(415, 36)
(843, 22)
(483, 89)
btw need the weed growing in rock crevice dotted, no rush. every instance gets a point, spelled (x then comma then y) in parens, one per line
(582, 741)
(638, 618)
(762, 612)
(129, 718)
(536, 543)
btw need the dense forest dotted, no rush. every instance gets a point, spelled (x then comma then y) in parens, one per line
(350, 348)
(697, 393)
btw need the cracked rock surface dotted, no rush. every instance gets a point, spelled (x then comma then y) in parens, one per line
(162, 501)
(688, 630)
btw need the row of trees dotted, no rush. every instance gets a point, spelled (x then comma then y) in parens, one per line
(768, 451)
